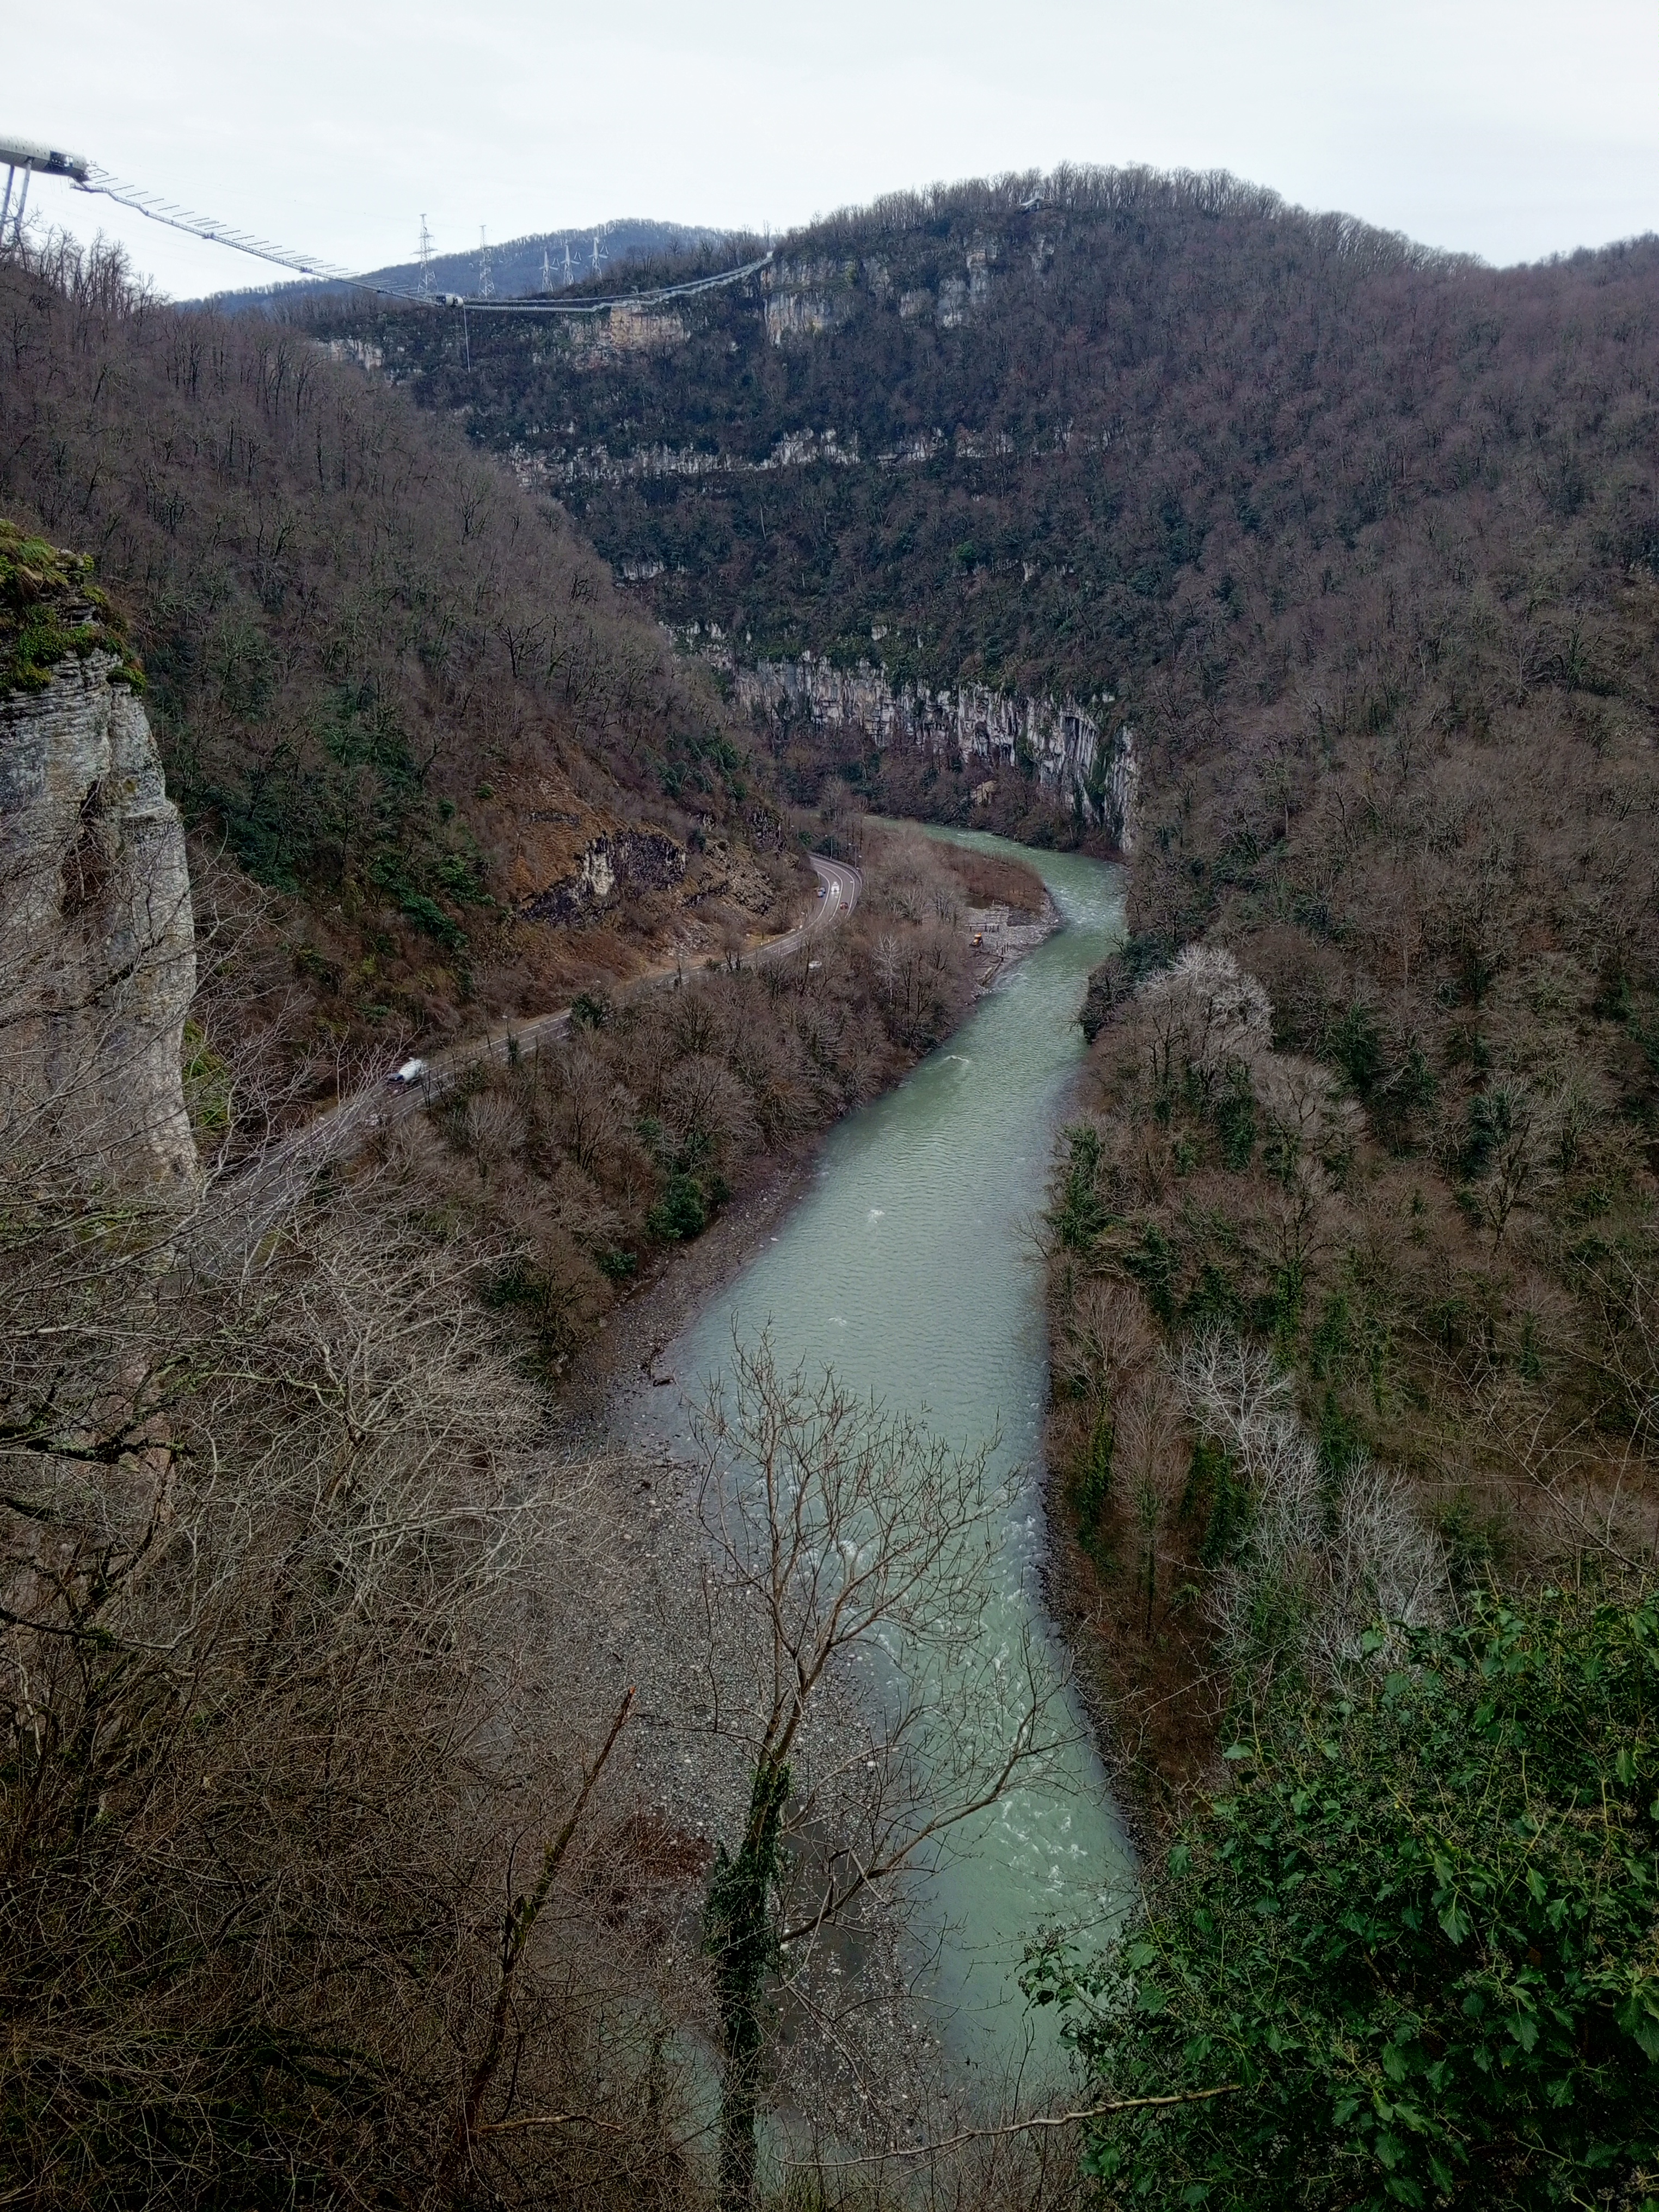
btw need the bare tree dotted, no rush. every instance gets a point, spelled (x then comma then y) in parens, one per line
(1205, 1016)
(285, 1706)
(1318, 1566)
(843, 1532)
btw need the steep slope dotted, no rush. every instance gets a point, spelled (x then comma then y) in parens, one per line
(1361, 542)
(1102, 433)
(402, 693)
(99, 965)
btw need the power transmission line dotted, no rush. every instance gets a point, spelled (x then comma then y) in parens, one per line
(651, 298)
(90, 178)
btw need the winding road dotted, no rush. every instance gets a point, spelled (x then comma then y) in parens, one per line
(840, 886)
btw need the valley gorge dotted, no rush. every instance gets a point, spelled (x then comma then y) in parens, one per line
(1089, 774)
(1259, 1281)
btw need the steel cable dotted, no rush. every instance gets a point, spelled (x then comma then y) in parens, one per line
(157, 210)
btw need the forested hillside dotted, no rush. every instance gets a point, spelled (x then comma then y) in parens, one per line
(1354, 1240)
(403, 695)
(1364, 541)
(1165, 438)
(317, 1635)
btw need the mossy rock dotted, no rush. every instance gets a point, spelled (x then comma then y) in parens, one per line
(51, 611)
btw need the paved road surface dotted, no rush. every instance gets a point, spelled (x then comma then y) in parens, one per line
(840, 885)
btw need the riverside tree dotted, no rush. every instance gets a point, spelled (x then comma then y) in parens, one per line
(1410, 1959)
(855, 1553)
(298, 1733)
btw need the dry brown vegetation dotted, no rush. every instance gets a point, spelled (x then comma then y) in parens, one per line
(296, 1699)
(357, 1785)
(1399, 703)
(393, 686)
(1231, 460)
(995, 879)
(595, 1156)
(1449, 1263)
(846, 1530)
(334, 1872)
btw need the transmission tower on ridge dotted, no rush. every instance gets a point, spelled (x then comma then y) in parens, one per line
(547, 274)
(570, 276)
(599, 256)
(486, 278)
(426, 260)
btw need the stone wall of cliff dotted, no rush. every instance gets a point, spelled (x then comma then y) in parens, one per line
(98, 961)
(618, 862)
(1067, 745)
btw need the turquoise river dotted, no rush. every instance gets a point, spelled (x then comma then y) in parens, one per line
(909, 1265)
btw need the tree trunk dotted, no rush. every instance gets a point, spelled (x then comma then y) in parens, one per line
(739, 1933)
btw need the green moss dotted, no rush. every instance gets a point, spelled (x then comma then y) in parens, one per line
(52, 612)
(207, 1084)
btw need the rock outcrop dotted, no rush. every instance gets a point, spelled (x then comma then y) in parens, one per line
(806, 298)
(1064, 743)
(97, 964)
(619, 861)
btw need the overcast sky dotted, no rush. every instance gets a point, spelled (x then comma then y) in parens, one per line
(1509, 128)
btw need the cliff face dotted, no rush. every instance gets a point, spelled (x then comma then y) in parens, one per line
(98, 964)
(620, 860)
(807, 296)
(1074, 759)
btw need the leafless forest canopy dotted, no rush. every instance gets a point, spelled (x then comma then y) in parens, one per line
(361, 1775)
(392, 686)
(352, 1698)
(1364, 541)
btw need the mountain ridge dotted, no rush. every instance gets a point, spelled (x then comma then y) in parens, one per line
(406, 699)
(1363, 541)
(538, 261)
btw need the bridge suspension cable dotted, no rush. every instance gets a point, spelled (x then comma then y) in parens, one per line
(100, 181)
(89, 177)
(615, 300)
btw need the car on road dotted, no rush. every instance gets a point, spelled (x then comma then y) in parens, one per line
(410, 1072)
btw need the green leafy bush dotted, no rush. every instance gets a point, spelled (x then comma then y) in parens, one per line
(681, 1212)
(1080, 1216)
(1415, 1953)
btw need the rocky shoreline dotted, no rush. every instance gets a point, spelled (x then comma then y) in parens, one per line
(639, 1330)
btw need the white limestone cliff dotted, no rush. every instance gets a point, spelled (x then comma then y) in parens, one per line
(1065, 744)
(98, 961)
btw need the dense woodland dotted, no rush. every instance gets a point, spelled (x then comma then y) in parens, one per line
(593, 1159)
(1364, 540)
(1356, 1271)
(1353, 1249)
(388, 685)
(325, 1878)
(333, 1869)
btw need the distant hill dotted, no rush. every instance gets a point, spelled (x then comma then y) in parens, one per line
(545, 262)
(1363, 542)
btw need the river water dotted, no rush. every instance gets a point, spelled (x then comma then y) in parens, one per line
(908, 1266)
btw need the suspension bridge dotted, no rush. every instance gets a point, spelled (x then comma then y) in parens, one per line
(23, 158)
